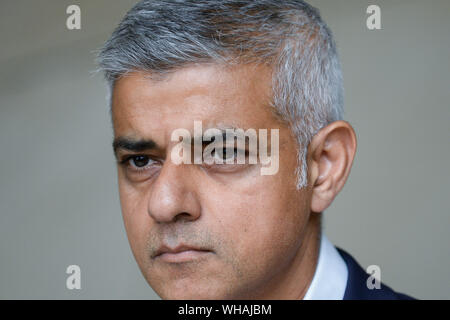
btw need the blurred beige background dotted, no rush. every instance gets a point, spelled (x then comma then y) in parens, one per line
(58, 196)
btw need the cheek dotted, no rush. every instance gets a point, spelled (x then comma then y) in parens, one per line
(261, 225)
(270, 224)
(136, 220)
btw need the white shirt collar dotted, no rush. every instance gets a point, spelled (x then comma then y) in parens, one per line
(330, 278)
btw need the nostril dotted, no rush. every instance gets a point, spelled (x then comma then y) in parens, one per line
(183, 216)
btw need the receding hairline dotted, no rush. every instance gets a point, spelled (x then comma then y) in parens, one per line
(254, 68)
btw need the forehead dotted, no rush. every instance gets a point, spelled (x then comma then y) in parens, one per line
(235, 96)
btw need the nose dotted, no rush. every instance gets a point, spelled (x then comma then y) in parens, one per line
(172, 195)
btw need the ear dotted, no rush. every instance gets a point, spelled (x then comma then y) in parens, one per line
(330, 157)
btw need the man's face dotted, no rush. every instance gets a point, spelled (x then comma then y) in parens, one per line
(243, 229)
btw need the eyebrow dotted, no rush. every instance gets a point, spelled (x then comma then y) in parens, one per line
(139, 145)
(130, 144)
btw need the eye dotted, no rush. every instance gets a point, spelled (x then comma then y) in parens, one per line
(138, 167)
(139, 161)
(227, 153)
(230, 155)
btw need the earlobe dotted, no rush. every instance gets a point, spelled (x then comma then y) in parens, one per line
(331, 154)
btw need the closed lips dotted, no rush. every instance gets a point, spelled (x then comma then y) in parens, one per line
(178, 249)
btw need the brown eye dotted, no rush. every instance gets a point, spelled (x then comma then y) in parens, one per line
(229, 153)
(139, 161)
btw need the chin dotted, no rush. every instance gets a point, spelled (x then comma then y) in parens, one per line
(190, 289)
(192, 294)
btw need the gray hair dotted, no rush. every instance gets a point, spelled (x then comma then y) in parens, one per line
(162, 36)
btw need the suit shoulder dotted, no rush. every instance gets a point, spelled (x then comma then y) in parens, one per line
(357, 284)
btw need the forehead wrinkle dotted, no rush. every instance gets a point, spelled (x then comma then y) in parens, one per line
(198, 92)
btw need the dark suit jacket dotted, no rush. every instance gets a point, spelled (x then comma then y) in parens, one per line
(356, 284)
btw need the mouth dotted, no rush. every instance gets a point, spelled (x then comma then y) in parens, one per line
(181, 253)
